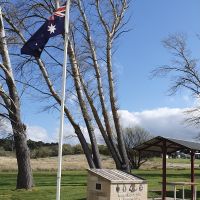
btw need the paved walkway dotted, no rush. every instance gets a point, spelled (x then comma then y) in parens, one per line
(168, 198)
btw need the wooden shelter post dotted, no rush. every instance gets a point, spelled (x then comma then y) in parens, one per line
(164, 173)
(192, 174)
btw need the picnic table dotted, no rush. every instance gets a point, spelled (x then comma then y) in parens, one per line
(183, 184)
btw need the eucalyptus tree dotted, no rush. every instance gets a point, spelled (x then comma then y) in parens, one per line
(94, 28)
(10, 101)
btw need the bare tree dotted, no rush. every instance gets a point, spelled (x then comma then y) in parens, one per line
(85, 113)
(11, 102)
(93, 56)
(111, 27)
(93, 29)
(184, 72)
(135, 136)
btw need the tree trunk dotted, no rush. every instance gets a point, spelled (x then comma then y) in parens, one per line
(11, 100)
(120, 139)
(68, 114)
(109, 140)
(111, 31)
(24, 176)
(85, 147)
(101, 128)
(85, 113)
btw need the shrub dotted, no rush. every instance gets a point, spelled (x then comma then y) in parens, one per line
(68, 149)
(41, 152)
(103, 150)
(77, 149)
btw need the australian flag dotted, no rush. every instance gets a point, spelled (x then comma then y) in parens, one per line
(52, 27)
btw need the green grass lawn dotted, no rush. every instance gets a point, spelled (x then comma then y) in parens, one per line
(74, 184)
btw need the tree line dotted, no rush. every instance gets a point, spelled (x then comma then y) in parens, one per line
(42, 150)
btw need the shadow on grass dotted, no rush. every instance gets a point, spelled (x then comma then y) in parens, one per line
(70, 184)
(5, 184)
(67, 180)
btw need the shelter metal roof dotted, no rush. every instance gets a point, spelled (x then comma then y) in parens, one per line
(173, 145)
(116, 176)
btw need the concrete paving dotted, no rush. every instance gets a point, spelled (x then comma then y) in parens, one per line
(168, 198)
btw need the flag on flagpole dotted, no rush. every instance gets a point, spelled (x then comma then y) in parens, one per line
(55, 25)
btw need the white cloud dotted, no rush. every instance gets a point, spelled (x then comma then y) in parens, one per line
(69, 135)
(5, 128)
(167, 122)
(37, 133)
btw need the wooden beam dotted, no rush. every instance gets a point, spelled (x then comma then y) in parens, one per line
(192, 173)
(164, 172)
(149, 145)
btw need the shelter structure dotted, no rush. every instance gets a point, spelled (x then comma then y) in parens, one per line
(166, 146)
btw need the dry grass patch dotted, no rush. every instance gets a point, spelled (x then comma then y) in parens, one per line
(78, 162)
(70, 162)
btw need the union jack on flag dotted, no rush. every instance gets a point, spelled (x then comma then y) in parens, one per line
(60, 12)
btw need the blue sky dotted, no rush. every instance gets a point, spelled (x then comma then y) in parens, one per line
(139, 52)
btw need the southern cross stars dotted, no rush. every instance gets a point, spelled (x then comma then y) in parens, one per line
(52, 28)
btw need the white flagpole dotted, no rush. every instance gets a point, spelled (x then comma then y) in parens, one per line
(62, 101)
